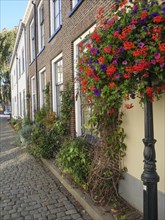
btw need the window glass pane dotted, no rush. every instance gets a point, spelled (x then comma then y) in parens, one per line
(85, 109)
(59, 84)
(74, 2)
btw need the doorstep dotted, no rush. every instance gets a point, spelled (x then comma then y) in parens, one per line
(96, 212)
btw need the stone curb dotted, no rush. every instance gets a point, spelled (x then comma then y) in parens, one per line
(96, 212)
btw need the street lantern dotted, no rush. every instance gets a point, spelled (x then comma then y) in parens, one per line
(149, 175)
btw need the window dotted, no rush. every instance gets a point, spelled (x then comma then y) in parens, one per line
(19, 67)
(23, 61)
(32, 42)
(41, 26)
(33, 96)
(42, 75)
(74, 5)
(20, 104)
(82, 111)
(75, 2)
(55, 15)
(24, 103)
(57, 84)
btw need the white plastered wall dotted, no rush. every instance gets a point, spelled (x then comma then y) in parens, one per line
(133, 123)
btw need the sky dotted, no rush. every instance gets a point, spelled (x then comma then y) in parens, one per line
(11, 12)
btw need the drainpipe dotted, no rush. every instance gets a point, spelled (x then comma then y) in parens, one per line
(35, 42)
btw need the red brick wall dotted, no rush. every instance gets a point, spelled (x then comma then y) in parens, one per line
(72, 28)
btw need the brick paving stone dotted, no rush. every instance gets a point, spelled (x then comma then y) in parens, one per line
(28, 190)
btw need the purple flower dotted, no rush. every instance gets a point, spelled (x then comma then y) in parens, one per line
(144, 28)
(117, 76)
(153, 62)
(121, 49)
(157, 55)
(134, 11)
(154, 14)
(93, 51)
(92, 67)
(124, 62)
(145, 9)
(132, 26)
(141, 44)
(153, 3)
(118, 29)
(142, 21)
(90, 61)
(162, 65)
(114, 61)
(97, 92)
(103, 67)
(163, 9)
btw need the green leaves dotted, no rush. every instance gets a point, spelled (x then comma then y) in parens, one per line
(74, 159)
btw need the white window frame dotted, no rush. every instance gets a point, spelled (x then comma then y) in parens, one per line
(78, 112)
(23, 60)
(54, 81)
(33, 96)
(40, 26)
(19, 67)
(75, 2)
(20, 104)
(24, 103)
(55, 15)
(32, 41)
(42, 87)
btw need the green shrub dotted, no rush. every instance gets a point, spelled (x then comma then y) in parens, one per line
(74, 159)
(45, 141)
(26, 133)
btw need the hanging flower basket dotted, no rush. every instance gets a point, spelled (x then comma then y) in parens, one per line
(125, 57)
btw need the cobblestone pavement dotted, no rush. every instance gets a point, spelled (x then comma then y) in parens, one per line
(27, 189)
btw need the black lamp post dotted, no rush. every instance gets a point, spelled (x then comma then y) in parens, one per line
(149, 175)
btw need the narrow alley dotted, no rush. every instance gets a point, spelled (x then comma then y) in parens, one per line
(27, 189)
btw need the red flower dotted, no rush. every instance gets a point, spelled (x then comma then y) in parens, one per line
(158, 19)
(143, 15)
(89, 71)
(126, 76)
(129, 69)
(88, 46)
(136, 53)
(107, 49)
(111, 111)
(149, 91)
(162, 47)
(123, 3)
(92, 87)
(96, 78)
(134, 21)
(112, 85)
(128, 45)
(110, 70)
(128, 106)
(95, 36)
(101, 60)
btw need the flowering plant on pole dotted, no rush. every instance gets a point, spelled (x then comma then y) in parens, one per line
(122, 54)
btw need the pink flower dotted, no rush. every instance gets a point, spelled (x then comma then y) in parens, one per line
(153, 62)
(157, 55)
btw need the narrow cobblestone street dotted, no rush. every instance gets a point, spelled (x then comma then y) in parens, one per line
(27, 189)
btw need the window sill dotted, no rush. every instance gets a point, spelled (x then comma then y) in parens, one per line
(56, 31)
(41, 51)
(75, 8)
(31, 62)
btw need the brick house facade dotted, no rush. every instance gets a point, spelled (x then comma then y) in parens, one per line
(73, 23)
